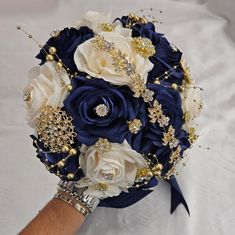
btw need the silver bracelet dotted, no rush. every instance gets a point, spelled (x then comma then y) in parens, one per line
(67, 197)
(74, 193)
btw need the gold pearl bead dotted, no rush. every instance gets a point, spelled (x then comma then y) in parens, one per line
(131, 15)
(65, 149)
(182, 88)
(49, 57)
(144, 21)
(69, 87)
(159, 166)
(157, 81)
(70, 176)
(150, 174)
(61, 164)
(72, 152)
(30, 36)
(174, 86)
(157, 173)
(18, 27)
(52, 50)
(59, 66)
(136, 18)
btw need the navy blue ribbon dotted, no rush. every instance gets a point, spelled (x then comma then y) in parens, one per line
(176, 195)
(127, 199)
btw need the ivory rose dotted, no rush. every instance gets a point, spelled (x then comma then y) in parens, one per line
(191, 103)
(100, 65)
(46, 87)
(94, 20)
(116, 169)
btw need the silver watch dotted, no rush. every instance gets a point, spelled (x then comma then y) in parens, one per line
(90, 202)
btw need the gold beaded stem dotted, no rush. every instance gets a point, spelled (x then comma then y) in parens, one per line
(31, 37)
(18, 27)
(154, 19)
(149, 8)
(167, 72)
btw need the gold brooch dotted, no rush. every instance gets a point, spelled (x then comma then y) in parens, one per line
(55, 129)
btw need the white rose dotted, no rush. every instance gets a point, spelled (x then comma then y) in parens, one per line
(94, 20)
(46, 87)
(191, 103)
(99, 64)
(115, 169)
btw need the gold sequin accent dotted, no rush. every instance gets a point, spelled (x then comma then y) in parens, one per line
(134, 125)
(55, 129)
(143, 46)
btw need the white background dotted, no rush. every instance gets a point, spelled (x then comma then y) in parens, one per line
(205, 31)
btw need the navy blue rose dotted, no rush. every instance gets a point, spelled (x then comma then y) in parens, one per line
(149, 139)
(166, 56)
(48, 159)
(100, 109)
(164, 152)
(66, 44)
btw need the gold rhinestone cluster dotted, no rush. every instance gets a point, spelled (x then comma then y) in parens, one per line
(107, 176)
(27, 96)
(55, 129)
(101, 187)
(147, 173)
(143, 173)
(134, 19)
(134, 125)
(175, 156)
(156, 114)
(143, 46)
(101, 110)
(103, 145)
(121, 64)
(192, 135)
(107, 27)
(169, 138)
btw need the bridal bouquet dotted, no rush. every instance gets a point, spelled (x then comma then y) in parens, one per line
(113, 106)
